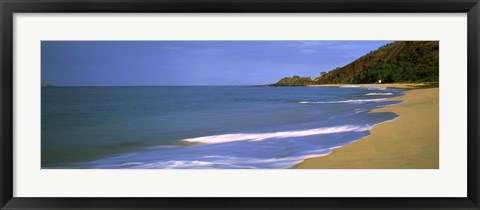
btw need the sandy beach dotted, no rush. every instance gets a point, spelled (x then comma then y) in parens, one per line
(393, 85)
(408, 142)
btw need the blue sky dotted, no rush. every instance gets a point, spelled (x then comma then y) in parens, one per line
(130, 63)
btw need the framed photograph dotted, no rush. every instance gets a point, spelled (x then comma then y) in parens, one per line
(120, 104)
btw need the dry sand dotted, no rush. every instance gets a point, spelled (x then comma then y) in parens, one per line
(409, 142)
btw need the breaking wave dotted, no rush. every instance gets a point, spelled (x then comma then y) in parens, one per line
(273, 135)
(339, 102)
(378, 94)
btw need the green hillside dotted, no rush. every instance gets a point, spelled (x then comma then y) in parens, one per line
(397, 62)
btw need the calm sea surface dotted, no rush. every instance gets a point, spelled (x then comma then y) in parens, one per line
(203, 127)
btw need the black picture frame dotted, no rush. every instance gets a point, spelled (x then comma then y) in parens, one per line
(9, 7)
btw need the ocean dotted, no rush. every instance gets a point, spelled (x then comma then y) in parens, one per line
(193, 127)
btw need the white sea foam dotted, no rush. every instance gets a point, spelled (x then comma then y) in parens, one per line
(274, 135)
(187, 164)
(376, 88)
(339, 102)
(233, 162)
(194, 164)
(378, 94)
(350, 86)
(367, 87)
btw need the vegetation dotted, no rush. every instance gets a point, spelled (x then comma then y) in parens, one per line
(295, 81)
(397, 73)
(396, 62)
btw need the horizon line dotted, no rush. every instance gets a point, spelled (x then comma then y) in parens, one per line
(155, 85)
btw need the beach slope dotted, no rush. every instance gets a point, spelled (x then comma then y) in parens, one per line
(409, 142)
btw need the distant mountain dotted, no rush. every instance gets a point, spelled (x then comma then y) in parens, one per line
(294, 81)
(46, 84)
(400, 61)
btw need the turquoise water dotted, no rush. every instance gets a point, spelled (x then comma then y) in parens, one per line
(203, 127)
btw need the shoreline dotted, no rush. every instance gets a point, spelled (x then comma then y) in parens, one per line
(411, 141)
(392, 85)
